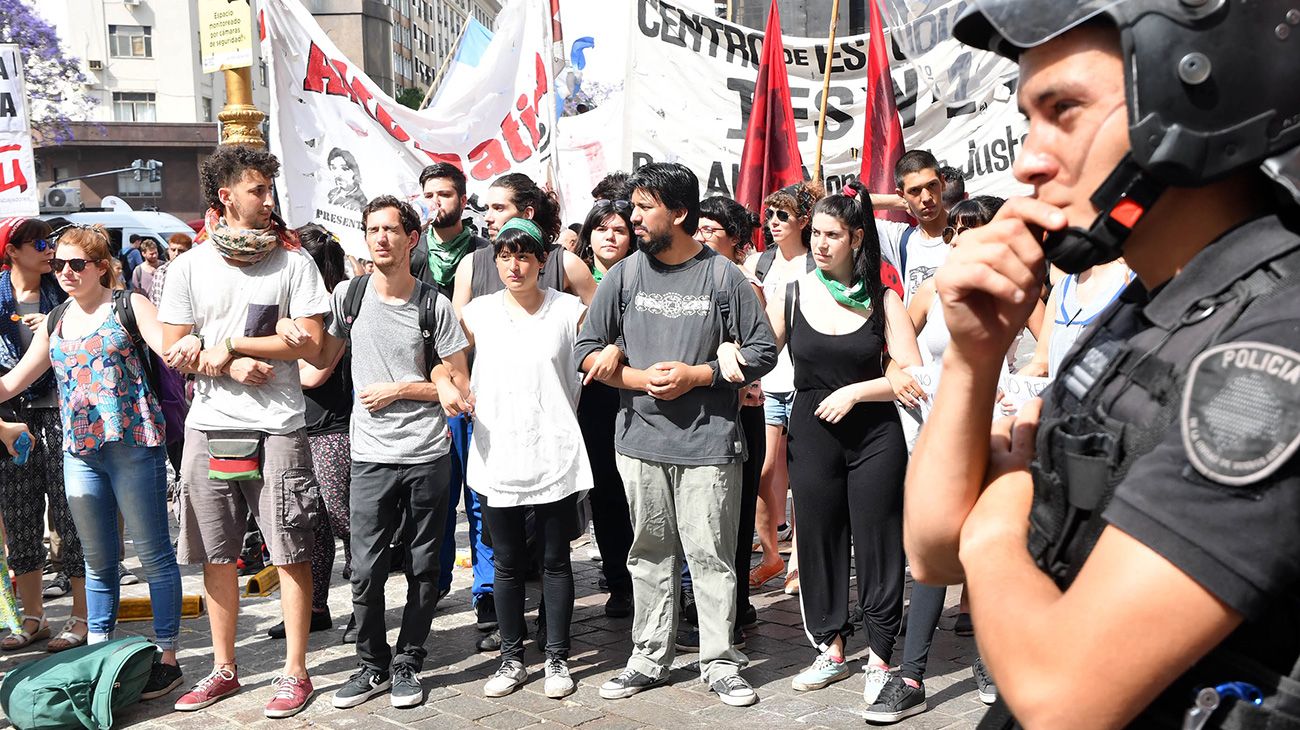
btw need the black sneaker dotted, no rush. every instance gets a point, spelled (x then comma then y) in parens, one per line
(126, 577)
(57, 588)
(690, 614)
(163, 678)
(897, 700)
(738, 638)
(350, 633)
(485, 610)
(688, 639)
(490, 642)
(319, 622)
(748, 617)
(407, 690)
(366, 683)
(629, 682)
(984, 685)
(619, 605)
(734, 690)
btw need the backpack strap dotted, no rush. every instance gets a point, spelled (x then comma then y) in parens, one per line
(352, 300)
(902, 253)
(56, 314)
(722, 296)
(630, 275)
(764, 264)
(125, 312)
(429, 323)
(791, 290)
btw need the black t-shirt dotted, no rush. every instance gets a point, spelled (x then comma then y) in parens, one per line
(329, 407)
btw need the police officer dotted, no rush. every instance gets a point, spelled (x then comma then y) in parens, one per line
(1157, 490)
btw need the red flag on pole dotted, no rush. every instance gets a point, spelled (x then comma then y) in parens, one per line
(770, 160)
(882, 142)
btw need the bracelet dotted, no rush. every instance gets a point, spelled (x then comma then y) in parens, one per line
(230, 346)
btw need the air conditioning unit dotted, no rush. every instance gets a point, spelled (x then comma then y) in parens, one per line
(61, 200)
(95, 65)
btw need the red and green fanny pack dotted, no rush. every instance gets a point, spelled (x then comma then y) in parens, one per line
(234, 455)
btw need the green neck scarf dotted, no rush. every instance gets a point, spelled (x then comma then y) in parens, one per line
(597, 274)
(445, 255)
(853, 297)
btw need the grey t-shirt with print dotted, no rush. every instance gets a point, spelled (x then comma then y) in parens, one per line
(387, 347)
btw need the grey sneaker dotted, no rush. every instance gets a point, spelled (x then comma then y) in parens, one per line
(407, 690)
(510, 677)
(734, 690)
(984, 685)
(558, 682)
(363, 685)
(629, 682)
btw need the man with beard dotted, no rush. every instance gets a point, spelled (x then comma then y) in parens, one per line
(434, 260)
(679, 445)
(245, 439)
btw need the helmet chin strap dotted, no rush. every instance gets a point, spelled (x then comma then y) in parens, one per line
(1123, 199)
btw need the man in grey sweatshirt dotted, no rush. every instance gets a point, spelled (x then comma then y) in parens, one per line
(678, 438)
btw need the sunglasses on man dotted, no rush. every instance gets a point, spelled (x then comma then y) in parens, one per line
(77, 265)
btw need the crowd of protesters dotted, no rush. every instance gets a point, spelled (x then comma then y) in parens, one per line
(669, 375)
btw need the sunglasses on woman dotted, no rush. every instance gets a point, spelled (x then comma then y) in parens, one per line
(41, 245)
(77, 265)
(952, 232)
(781, 215)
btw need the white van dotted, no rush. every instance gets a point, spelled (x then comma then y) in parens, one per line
(122, 224)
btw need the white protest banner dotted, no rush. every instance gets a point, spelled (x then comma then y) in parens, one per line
(18, 194)
(342, 141)
(1017, 390)
(690, 81)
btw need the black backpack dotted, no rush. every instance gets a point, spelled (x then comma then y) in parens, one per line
(126, 315)
(768, 257)
(428, 313)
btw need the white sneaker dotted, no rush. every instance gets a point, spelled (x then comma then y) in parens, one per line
(558, 682)
(593, 549)
(877, 678)
(510, 677)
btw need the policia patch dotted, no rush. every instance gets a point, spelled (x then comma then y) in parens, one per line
(1241, 411)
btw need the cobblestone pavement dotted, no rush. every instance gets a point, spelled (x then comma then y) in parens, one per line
(454, 672)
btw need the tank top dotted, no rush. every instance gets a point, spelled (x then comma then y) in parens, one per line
(484, 279)
(781, 378)
(933, 338)
(1072, 317)
(826, 362)
(103, 392)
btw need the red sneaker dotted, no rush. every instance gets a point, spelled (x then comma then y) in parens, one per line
(291, 695)
(216, 686)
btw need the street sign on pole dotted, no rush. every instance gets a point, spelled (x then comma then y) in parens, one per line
(225, 34)
(18, 194)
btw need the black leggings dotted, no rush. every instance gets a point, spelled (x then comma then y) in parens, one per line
(596, 412)
(754, 425)
(554, 525)
(847, 480)
(922, 618)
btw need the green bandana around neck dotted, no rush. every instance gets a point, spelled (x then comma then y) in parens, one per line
(444, 256)
(597, 274)
(853, 297)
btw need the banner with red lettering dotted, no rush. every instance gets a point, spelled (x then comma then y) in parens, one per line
(18, 194)
(342, 141)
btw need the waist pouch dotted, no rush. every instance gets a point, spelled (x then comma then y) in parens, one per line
(234, 455)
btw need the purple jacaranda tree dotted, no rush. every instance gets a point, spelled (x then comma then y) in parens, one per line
(56, 86)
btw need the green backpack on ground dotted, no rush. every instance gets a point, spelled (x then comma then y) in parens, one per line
(79, 687)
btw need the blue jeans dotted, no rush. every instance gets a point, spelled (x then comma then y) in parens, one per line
(131, 480)
(480, 555)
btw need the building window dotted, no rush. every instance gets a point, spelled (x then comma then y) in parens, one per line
(205, 110)
(129, 187)
(130, 41)
(134, 106)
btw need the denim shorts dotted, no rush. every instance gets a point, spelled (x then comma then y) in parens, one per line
(776, 409)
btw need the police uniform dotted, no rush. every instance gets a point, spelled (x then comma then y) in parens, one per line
(1176, 420)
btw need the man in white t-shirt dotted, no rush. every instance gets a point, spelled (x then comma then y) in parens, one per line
(916, 251)
(245, 441)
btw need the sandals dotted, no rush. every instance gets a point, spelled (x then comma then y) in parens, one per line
(67, 639)
(765, 572)
(22, 638)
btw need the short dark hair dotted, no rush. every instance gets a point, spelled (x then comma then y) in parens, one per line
(598, 213)
(524, 193)
(147, 244)
(913, 161)
(444, 170)
(517, 240)
(406, 214)
(976, 212)
(613, 187)
(737, 220)
(954, 186)
(674, 185)
(227, 165)
(326, 251)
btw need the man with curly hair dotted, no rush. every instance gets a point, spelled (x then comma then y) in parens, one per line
(245, 441)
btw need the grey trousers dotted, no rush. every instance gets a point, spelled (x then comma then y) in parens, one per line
(692, 509)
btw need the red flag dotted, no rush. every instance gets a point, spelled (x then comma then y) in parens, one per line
(770, 160)
(882, 140)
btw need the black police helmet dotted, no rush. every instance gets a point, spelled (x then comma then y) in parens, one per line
(1211, 84)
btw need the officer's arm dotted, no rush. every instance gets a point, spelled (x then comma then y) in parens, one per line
(1097, 654)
